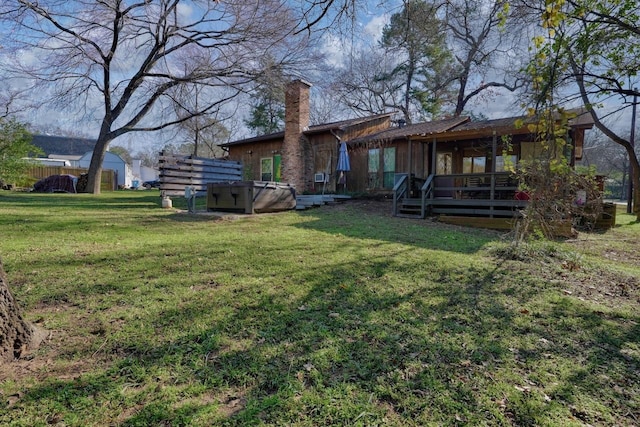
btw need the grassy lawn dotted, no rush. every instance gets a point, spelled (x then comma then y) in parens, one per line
(341, 315)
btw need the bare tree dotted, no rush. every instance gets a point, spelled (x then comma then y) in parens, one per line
(437, 57)
(485, 40)
(405, 72)
(123, 60)
(201, 132)
(608, 159)
(359, 86)
(591, 51)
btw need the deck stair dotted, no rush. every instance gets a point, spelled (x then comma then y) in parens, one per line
(307, 201)
(410, 208)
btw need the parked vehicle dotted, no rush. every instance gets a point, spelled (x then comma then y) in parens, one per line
(151, 184)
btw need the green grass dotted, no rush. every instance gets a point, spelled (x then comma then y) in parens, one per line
(333, 316)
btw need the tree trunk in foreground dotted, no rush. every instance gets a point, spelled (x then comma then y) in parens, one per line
(16, 334)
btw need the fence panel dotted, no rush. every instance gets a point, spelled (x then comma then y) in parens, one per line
(108, 181)
(178, 172)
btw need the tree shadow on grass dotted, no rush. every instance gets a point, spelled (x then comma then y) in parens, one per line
(378, 226)
(460, 347)
(122, 200)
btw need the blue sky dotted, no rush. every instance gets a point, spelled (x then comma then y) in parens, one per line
(371, 18)
(372, 15)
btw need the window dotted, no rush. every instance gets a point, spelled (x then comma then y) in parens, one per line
(444, 163)
(374, 168)
(389, 167)
(266, 169)
(382, 161)
(474, 164)
(506, 163)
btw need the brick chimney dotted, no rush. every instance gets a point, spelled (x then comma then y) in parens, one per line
(296, 120)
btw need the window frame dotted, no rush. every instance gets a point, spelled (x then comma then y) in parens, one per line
(262, 169)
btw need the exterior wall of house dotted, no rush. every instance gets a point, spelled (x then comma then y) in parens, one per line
(251, 156)
(361, 179)
(111, 161)
(357, 178)
(323, 158)
(418, 162)
(478, 149)
(367, 128)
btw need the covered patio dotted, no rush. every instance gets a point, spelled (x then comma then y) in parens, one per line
(459, 167)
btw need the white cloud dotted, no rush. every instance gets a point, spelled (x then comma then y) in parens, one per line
(185, 10)
(335, 50)
(374, 27)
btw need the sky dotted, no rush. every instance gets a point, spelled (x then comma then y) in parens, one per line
(372, 17)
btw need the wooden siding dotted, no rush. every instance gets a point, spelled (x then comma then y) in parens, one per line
(249, 155)
(320, 155)
(364, 129)
(323, 159)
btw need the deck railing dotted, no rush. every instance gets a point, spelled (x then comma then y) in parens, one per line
(465, 194)
(427, 193)
(400, 190)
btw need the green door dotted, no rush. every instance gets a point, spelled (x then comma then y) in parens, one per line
(277, 169)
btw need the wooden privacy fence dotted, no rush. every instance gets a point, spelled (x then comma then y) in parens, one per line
(108, 181)
(179, 172)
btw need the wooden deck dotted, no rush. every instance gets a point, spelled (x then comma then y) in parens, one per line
(490, 195)
(308, 201)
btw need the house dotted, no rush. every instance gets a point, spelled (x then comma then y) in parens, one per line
(302, 155)
(62, 146)
(453, 166)
(77, 153)
(113, 162)
(456, 166)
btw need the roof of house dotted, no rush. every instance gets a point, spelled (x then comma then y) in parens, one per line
(463, 128)
(325, 127)
(414, 130)
(63, 145)
(69, 157)
(509, 126)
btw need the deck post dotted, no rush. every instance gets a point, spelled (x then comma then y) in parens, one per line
(433, 157)
(494, 155)
(410, 160)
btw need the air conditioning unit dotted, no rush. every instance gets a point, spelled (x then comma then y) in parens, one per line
(319, 177)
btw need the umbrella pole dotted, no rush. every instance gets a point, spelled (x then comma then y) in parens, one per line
(326, 175)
